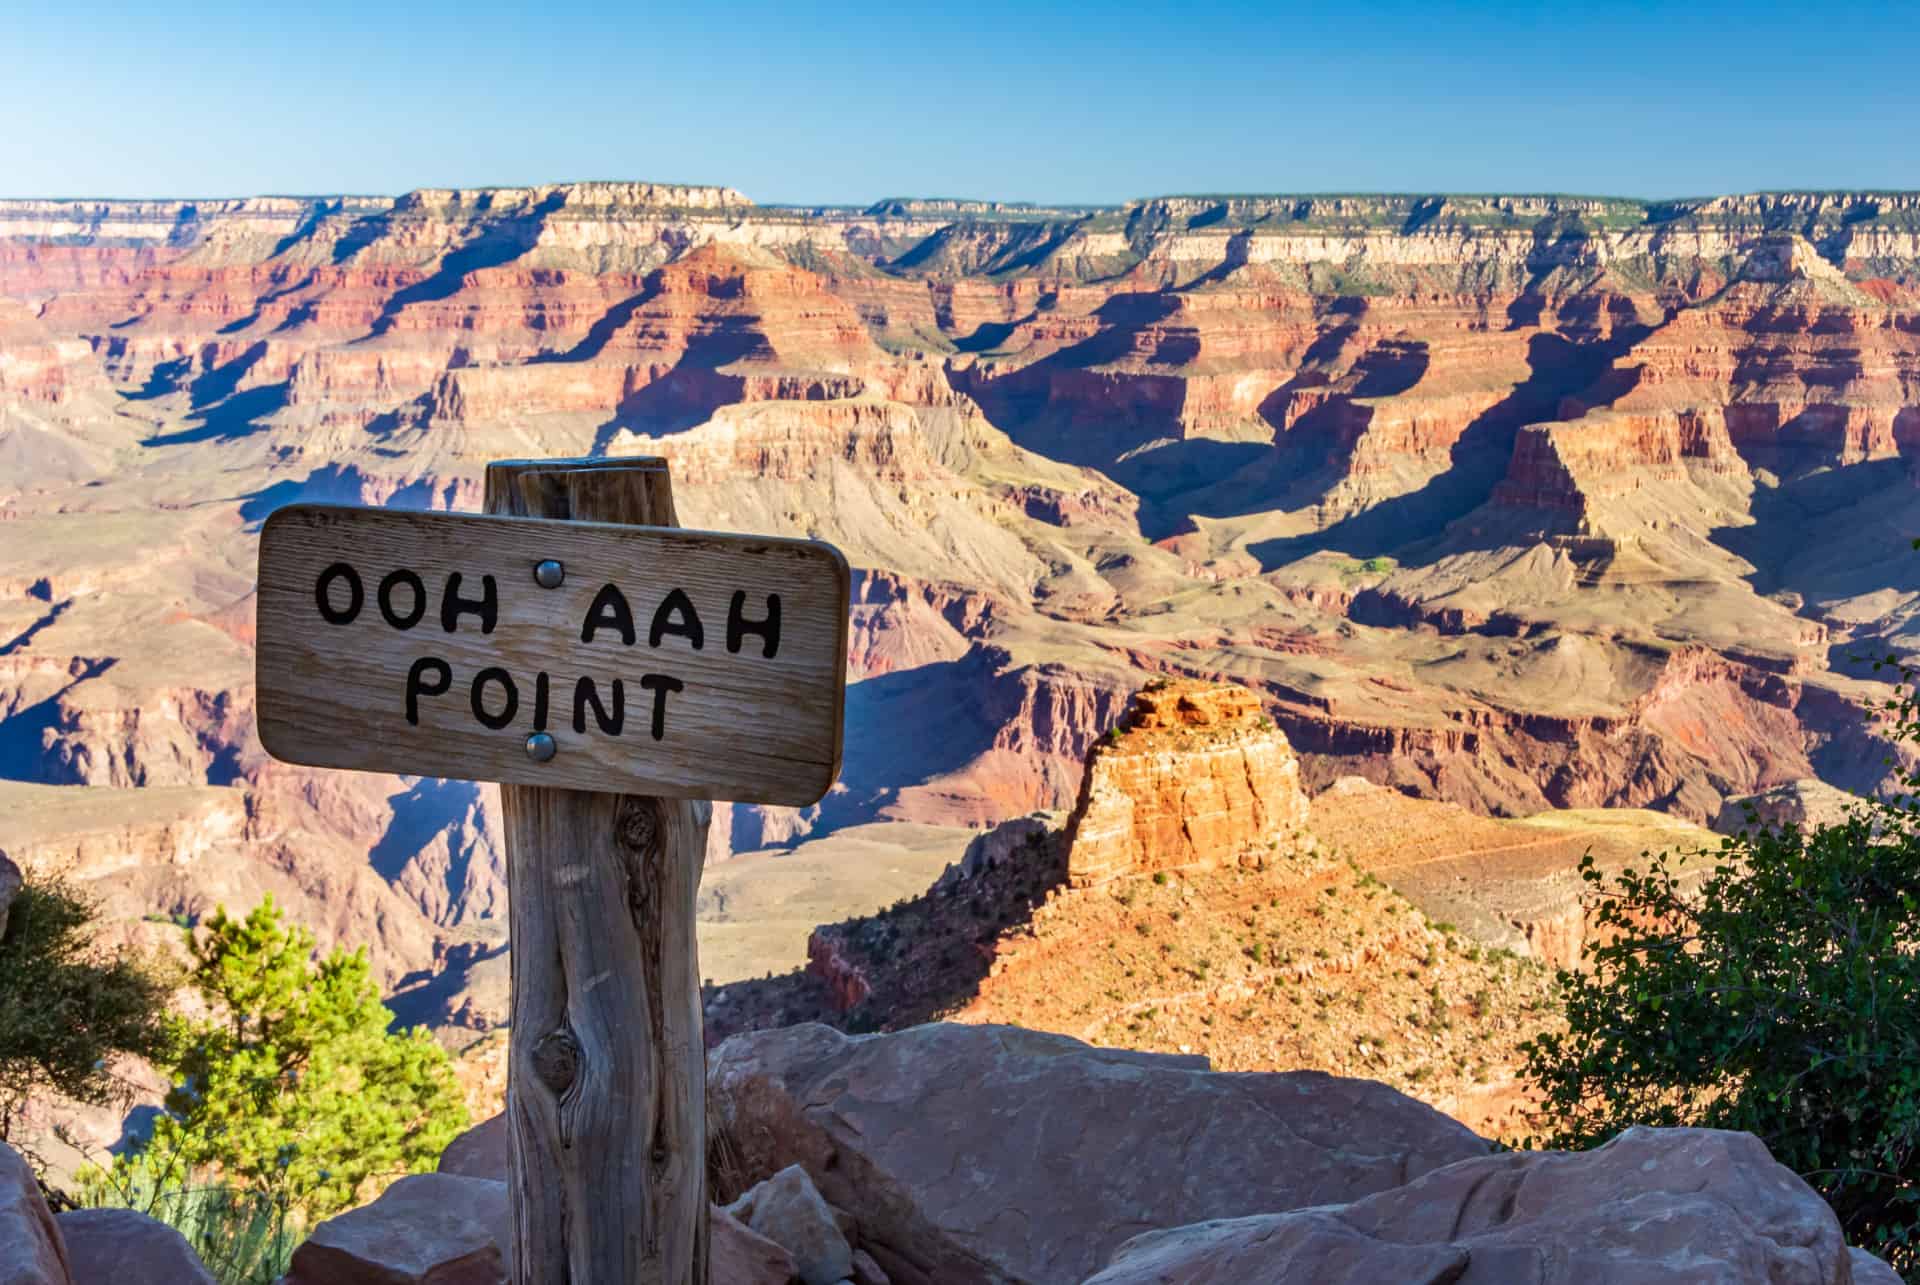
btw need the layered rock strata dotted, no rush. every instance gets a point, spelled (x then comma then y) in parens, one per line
(1515, 502)
(1193, 776)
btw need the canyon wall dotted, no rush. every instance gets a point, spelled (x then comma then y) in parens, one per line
(1514, 502)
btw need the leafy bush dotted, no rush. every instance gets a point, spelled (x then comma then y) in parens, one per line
(66, 1006)
(294, 1090)
(1780, 995)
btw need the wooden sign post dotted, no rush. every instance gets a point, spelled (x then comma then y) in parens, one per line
(613, 675)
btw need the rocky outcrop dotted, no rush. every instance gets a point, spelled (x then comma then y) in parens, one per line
(1650, 1206)
(480, 1152)
(1690, 726)
(1808, 804)
(440, 1229)
(126, 1247)
(32, 1250)
(1510, 883)
(1005, 844)
(741, 1256)
(63, 832)
(1194, 775)
(830, 959)
(788, 1210)
(992, 1154)
(480, 1157)
(997, 1120)
(427, 1229)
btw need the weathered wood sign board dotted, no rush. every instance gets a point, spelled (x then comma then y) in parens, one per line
(659, 661)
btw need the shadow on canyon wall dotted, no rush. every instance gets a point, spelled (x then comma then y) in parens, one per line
(25, 733)
(502, 241)
(1558, 369)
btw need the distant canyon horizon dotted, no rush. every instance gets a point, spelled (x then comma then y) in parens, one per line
(1519, 503)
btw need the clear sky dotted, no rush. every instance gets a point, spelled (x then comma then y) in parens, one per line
(800, 103)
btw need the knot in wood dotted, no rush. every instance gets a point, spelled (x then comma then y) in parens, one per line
(638, 824)
(556, 1060)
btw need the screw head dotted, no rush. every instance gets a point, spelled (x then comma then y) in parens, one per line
(549, 573)
(541, 747)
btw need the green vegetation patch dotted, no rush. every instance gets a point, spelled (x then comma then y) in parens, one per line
(1780, 997)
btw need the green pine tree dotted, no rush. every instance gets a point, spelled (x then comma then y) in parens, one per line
(294, 1087)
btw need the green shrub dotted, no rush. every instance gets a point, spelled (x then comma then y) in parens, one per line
(1780, 996)
(294, 1091)
(67, 1007)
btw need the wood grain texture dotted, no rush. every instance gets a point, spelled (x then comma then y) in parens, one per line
(735, 723)
(606, 1082)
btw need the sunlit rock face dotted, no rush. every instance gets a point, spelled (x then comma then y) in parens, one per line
(1195, 775)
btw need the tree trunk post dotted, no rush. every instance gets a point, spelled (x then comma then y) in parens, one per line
(606, 1073)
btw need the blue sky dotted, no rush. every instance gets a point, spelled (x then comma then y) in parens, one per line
(802, 103)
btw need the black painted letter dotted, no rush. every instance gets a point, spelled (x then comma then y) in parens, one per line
(417, 686)
(584, 692)
(738, 626)
(660, 685)
(609, 611)
(453, 606)
(540, 701)
(688, 626)
(385, 598)
(495, 674)
(356, 595)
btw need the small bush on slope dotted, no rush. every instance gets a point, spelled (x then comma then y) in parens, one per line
(1782, 997)
(67, 1007)
(294, 1090)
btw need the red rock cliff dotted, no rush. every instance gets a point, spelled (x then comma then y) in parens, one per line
(1194, 776)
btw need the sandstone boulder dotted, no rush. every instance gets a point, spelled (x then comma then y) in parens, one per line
(993, 1153)
(427, 1229)
(484, 1151)
(740, 1256)
(1195, 775)
(788, 1210)
(125, 1247)
(32, 1250)
(9, 888)
(1653, 1205)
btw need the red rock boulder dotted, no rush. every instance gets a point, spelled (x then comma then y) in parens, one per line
(125, 1247)
(1653, 1206)
(32, 1251)
(738, 1255)
(994, 1153)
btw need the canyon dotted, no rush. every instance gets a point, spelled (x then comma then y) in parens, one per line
(1518, 507)
(1195, 901)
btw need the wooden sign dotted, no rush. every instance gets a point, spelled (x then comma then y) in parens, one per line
(585, 655)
